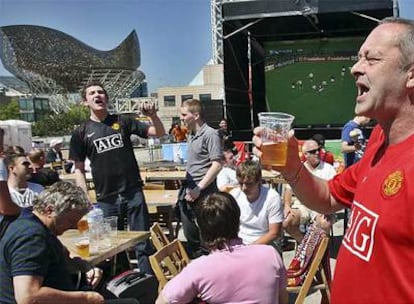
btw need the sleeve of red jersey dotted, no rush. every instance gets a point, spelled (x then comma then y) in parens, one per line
(343, 185)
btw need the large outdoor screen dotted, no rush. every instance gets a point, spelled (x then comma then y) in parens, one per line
(311, 79)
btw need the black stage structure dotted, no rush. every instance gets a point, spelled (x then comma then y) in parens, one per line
(248, 24)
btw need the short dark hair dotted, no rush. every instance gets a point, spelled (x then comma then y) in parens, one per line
(11, 158)
(319, 138)
(250, 170)
(218, 217)
(91, 84)
(229, 146)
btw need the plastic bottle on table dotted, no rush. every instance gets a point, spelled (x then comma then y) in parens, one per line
(95, 223)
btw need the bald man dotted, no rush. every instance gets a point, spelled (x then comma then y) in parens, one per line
(297, 214)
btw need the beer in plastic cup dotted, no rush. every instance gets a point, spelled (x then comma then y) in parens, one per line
(274, 137)
(82, 247)
(83, 225)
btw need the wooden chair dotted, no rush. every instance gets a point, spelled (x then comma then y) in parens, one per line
(159, 240)
(168, 262)
(318, 276)
(158, 237)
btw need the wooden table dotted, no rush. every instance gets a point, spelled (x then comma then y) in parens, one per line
(272, 177)
(161, 207)
(123, 241)
(152, 176)
(160, 198)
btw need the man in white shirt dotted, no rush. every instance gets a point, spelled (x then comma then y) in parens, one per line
(297, 214)
(261, 212)
(22, 192)
(226, 179)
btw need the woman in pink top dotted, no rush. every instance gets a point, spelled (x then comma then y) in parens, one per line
(233, 272)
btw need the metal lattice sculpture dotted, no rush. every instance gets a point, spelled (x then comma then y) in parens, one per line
(55, 64)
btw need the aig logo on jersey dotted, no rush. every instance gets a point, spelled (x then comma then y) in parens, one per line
(359, 237)
(108, 143)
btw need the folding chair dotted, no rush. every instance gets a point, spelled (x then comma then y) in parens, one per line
(318, 276)
(168, 262)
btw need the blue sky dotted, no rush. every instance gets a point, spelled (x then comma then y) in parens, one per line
(175, 35)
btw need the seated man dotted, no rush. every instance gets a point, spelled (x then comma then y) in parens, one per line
(324, 155)
(41, 175)
(32, 259)
(297, 214)
(226, 179)
(261, 212)
(21, 191)
(54, 156)
(232, 272)
(54, 153)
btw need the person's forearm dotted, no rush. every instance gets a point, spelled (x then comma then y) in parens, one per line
(345, 148)
(157, 129)
(267, 238)
(287, 197)
(47, 295)
(210, 175)
(275, 231)
(80, 180)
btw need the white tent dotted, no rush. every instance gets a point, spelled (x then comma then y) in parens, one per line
(17, 133)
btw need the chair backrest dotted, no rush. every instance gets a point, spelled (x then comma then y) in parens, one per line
(318, 276)
(168, 262)
(158, 238)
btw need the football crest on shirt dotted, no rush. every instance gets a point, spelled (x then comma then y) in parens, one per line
(393, 183)
(115, 126)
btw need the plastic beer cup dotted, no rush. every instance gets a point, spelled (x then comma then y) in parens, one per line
(275, 137)
(82, 247)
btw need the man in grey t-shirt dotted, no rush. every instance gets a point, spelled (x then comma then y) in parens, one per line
(204, 163)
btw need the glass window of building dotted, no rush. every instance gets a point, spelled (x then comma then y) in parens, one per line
(186, 96)
(205, 97)
(25, 104)
(169, 101)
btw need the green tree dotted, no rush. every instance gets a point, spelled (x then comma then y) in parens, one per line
(62, 123)
(10, 110)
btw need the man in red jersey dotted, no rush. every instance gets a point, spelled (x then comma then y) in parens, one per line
(378, 246)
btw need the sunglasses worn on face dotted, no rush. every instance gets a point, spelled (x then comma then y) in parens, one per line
(315, 151)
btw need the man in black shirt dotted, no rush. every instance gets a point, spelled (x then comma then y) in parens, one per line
(41, 175)
(105, 140)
